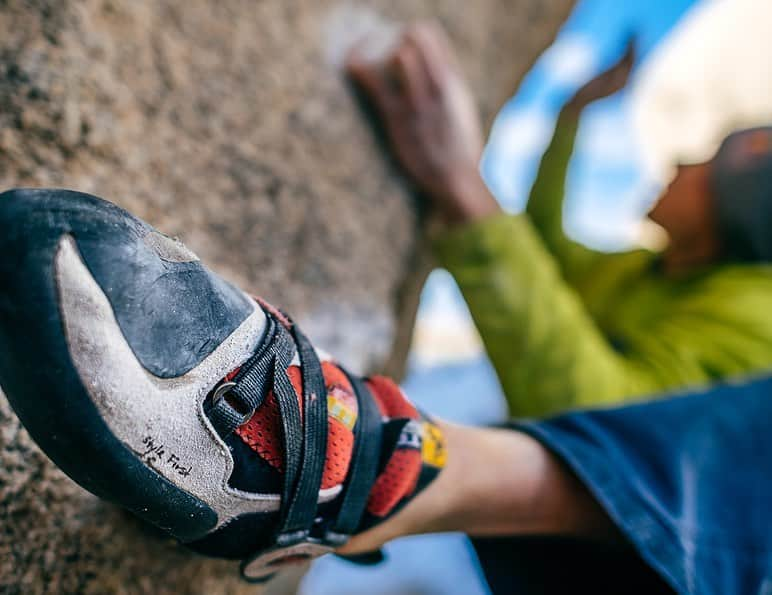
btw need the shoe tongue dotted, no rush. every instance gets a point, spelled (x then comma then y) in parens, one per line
(251, 472)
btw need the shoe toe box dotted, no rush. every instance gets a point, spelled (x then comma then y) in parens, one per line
(170, 310)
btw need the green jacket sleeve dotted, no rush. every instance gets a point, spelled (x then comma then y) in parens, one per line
(545, 203)
(547, 350)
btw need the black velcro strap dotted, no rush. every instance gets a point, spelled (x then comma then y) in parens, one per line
(253, 381)
(224, 417)
(238, 401)
(289, 412)
(364, 463)
(300, 511)
(304, 435)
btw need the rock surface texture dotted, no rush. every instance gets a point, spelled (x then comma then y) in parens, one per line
(226, 123)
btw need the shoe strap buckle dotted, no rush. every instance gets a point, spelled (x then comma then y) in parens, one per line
(221, 391)
(264, 565)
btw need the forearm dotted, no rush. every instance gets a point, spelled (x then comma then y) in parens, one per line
(545, 202)
(497, 482)
(548, 351)
(545, 205)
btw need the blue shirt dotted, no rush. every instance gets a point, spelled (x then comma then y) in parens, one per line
(687, 479)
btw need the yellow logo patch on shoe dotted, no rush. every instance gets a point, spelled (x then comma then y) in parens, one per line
(337, 409)
(433, 450)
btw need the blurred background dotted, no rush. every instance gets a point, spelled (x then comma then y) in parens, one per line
(702, 69)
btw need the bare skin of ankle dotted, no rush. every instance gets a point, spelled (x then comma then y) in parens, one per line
(497, 482)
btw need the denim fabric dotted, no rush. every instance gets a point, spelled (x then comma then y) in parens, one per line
(687, 479)
(552, 565)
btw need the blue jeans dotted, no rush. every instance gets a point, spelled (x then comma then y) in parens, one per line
(688, 481)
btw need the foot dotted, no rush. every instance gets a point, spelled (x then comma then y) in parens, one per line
(157, 385)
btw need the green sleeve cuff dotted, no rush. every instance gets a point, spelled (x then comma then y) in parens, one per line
(477, 240)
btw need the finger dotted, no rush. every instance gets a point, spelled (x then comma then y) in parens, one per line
(621, 72)
(615, 77)
(631, 51)
(432, 55)
(409, 73)
(442, 52)
(439, 39)
(627, 60)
